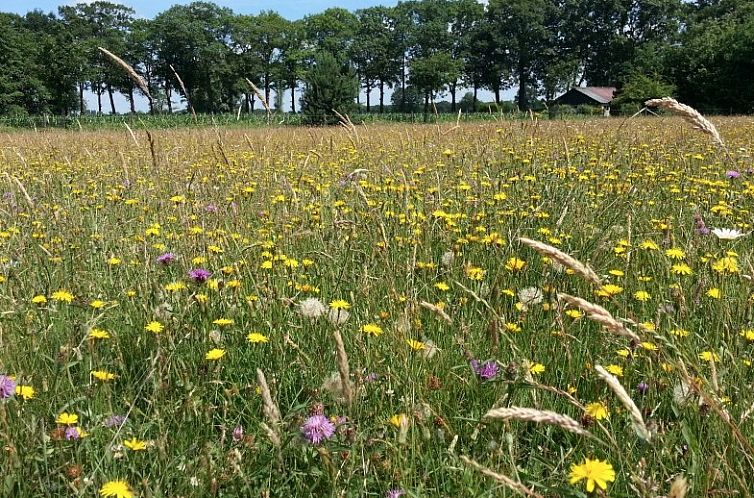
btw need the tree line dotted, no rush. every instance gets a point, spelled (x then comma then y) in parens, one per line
(700, 51)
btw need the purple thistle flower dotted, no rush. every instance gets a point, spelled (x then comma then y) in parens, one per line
(642, 387)
(731, 173)
(72, 433)
(372, 377)
(211, 208)
(166, 258)
(237, 433)
(485, 371)
(199, 275)
(7, 387)
(395, 493)
(317, 428)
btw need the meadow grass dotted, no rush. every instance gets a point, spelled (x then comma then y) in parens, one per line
(130, 365)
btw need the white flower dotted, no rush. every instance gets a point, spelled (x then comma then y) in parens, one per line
(727, 233)
(338, 316)
(530, 296)
(448, 258)
(312, 308)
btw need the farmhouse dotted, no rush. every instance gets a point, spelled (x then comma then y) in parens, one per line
(588, 95)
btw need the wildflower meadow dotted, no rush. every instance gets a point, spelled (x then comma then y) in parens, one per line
(518, 307)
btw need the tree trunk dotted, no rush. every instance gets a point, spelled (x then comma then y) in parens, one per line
(253, 102)
(131, 99)
(403, 84)
(99, 100)
(426, 105)
(382, 96)
(169, 96)
(476, 91)
(293, 99)
(497, 93)
(369, 101)
(81, 99)
(267, 88)
(522, 80)
(112, 100)
(453, 96)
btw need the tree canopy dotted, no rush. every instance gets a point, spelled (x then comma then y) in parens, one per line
(702, 50)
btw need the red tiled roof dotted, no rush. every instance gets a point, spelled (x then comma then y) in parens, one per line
(602, 94)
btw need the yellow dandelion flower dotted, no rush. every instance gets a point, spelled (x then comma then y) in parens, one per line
(609, 290)
(681, 269)
(115, 489)
(727, 265)
(748, 334)
(649, 245)
(442, 286)
(399, 420)
(515, 264)
(675, 253)
(616, 370)
(340, 304)
(39, 299)
(66, 418)
(62, 296)
(649, 346)
(25, 392)
(223, 322)
(642, 296)
(714, 293)
(214, 354)
(372, 329)
(680, 332)
(709, 356)
(536, 368)
(98, 304)
(134, 444)
(597, 410)
(102, 375)
(416, 345)
(256, 337)
(596, 472)
(154, 327)
(98, 334)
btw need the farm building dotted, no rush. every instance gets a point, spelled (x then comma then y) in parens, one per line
(588, 95)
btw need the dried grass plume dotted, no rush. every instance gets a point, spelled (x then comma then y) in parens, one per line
(135, 77)
(690, 115)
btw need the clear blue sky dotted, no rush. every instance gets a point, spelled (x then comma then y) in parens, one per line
(291, 9)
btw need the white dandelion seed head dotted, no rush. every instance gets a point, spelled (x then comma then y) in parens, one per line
(448, 258)
(312, 308)
(338, 316)
(530, 296)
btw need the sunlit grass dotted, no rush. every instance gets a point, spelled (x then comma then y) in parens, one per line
(140, 295)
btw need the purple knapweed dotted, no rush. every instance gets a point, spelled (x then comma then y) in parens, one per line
(7, 387)
(317, 428)
(642, 387)
(486, 371)
(199, 275)
(114, 421)
(72, 433)
(732, 174)
(166, 258)
(395, 493)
